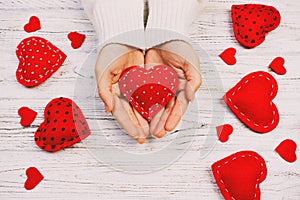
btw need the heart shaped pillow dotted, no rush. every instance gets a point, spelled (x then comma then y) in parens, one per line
(239, 175)
(251, 101)
(148, 91)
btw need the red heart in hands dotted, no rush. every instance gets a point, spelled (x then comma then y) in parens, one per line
(63, 126)
(287, 150)
(251, 101)
(224, 131)
(251, 23)
(76, 39)
(148, 91)
(27, 116)
(228, 56)
(39, 59)
(33, 25)
(239, 175)
(34, 177)
(277, 65)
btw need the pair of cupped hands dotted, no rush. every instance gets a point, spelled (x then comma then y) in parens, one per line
(113, 59)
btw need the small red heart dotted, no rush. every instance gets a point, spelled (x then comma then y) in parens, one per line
(38, 60)
(33, 25)
(148, 91)
(76, 39)
(252, 22)
(251, 101)
(228, 56)
(64, 125)
(287, 150)
(277, 65)
(27, 116)
(239, 175)
(34, 177)
(224, 131)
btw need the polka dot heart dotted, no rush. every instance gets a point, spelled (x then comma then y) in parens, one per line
(148, 91)
(38, 60)
(63, 126)
(251, 23)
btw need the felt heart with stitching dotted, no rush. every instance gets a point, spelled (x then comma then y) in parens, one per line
(34, 177)
(33, 25)
(38, 60)
(287, 150)
(63, 126)
(239, 175)
(148, 91)
(251, 101)
(76, 39)
(228, 56)
(251, 23)
(27, 116)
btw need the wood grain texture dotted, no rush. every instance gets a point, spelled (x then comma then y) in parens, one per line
(74, 173)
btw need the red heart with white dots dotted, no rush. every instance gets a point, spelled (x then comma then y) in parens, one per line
(38, 60)
(63, 126)
(148, 91)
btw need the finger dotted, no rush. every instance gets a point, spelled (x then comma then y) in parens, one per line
(194, 81)
(105, 90)
(154, 121)
(123, 118)
(143, 123)
(160, 130)
(141, 135)
(178, 110)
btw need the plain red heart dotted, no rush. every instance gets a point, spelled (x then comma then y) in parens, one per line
(239, 175)
(38, 60)
(33, 25)
(277, 65)
(228, 56)
(224, 131)
(251, 101)
(27, 116)
(34, 177)
(76, 39)
(148, 91)
(287, 150)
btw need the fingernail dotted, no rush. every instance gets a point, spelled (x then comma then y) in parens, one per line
(141, 140)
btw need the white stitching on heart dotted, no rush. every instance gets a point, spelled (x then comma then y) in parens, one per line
(241, 113)
(35, 44)
(234, 158)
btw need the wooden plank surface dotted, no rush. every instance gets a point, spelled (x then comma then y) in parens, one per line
(175, 167)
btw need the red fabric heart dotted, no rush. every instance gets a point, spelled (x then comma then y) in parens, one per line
(39, 59)
(287, 150)
(224, 131)
(228, 56)
(251, 23)
(239, 175)
(277, 65)
(63, 126)
(27, 116)
(76, 39)
(34, 177)
(33, 25)
(251, 101)
(148, 91)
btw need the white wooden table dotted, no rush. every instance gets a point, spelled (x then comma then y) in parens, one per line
(79, 173)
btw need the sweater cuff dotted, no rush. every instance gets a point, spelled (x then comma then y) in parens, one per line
(117, 21)
(169, 20)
